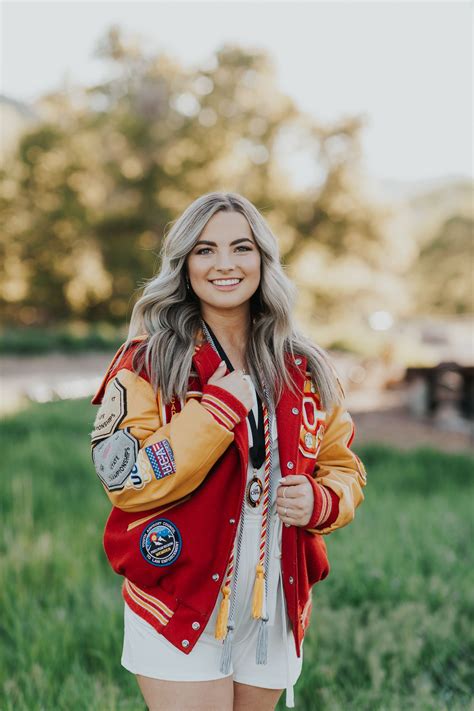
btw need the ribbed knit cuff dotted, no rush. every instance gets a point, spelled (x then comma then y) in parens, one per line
(326, 505)
(223, 406)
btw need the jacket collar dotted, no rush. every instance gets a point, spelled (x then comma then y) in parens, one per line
(206, 360)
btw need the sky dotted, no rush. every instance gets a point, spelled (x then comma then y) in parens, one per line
(406, 67)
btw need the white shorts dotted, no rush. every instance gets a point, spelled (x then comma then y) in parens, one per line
(148, 653)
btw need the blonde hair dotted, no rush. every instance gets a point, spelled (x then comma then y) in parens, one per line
(168, 314)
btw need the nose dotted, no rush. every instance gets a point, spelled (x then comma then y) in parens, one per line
(224, 262)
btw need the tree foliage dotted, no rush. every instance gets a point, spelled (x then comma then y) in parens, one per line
(87, 197)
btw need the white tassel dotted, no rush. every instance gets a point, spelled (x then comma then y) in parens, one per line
(290, 697)
(262, 642)
(227, 649)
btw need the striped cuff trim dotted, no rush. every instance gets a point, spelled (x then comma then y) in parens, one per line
(220, 410)
(326, 506)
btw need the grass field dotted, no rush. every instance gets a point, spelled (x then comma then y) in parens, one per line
(392, 625)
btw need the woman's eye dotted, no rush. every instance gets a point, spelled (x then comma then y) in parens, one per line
(203, 250)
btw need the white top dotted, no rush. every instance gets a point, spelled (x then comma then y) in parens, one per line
(275, 583)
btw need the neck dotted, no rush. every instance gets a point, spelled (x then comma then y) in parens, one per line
(231, 328)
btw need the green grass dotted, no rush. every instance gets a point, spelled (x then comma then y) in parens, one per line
(67, 338)
(392, 624)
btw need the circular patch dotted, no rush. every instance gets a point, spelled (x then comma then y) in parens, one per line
(308, 439)
(160, 542)
(254, 491)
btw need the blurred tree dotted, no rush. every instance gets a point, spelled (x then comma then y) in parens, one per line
(442, 275)
(89, 194)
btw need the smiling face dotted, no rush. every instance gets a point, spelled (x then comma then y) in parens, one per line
(224, 265)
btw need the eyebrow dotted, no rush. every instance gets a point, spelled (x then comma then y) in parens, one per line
(213, 244)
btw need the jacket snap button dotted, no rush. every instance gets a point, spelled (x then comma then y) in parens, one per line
(215, 576)
(291, 580)
(232, 520)
(195, 625)
(298, 361)
(290, 465)
(295, 410)
(185, 643)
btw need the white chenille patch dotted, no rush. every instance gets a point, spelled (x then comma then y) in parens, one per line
(138, 478)
(114, 459)
(111, 412)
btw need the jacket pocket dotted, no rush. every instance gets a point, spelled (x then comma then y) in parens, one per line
(142, 547)
(314, 562)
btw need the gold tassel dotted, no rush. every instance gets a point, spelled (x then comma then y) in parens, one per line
(258, 588)
(223, 614)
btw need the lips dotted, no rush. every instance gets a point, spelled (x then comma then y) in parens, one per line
(213, 281)
(226, 284)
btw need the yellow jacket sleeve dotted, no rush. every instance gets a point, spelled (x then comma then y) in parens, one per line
(144, 463)
(339, 469)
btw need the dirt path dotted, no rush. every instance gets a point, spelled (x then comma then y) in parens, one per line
(398, 427)
(379, 416)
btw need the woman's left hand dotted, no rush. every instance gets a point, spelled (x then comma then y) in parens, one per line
(295, 500)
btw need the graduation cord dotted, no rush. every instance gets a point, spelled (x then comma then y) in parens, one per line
(225, 624)
(257, 450)
(225, 627)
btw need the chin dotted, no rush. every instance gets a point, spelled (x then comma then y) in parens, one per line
(224, 300)
(227, 303)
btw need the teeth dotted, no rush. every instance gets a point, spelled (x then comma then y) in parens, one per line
(225, 282)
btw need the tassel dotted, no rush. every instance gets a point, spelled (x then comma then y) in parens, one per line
(227, 649)
(223, 614)
(257, 603)
(262, 642)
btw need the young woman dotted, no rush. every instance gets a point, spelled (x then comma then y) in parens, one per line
(224, 446)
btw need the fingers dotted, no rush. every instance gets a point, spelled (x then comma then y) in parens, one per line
(218, 373)
(292, 479)
(293, 486)
(289, 515)
(296, 506)
(292, 499)
(287, 493)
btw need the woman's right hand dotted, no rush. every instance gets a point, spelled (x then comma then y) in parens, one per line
(234, 383)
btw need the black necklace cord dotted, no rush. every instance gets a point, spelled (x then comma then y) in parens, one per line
(257, 450)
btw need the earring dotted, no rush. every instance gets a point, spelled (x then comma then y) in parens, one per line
(188, 285)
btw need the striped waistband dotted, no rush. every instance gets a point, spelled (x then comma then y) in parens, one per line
(151, 604)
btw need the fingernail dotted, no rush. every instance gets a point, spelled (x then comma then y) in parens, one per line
(280, 481)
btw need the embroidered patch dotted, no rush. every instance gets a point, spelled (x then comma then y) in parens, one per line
(160, 542)
(111, 412)
(310, 443)
(312, 423)
(138, 478)
(114, 459)
(161, 458)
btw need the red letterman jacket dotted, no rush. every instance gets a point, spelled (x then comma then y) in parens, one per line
(176, 476)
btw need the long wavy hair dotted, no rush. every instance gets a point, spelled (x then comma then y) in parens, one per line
(168, 313)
